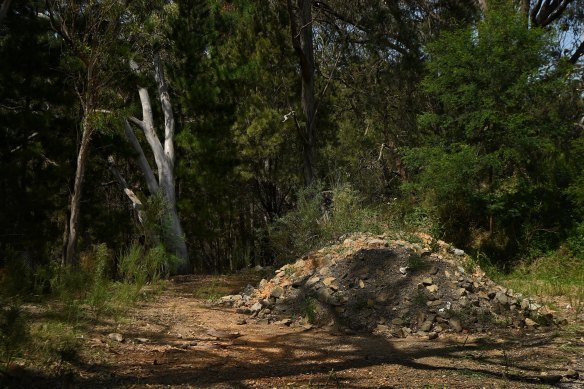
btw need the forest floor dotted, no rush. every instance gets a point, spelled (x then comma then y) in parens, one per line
(179, 339)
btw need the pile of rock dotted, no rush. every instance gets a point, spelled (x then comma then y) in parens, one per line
(374, 283)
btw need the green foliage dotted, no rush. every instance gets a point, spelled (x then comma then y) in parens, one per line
(13, 331)
(139, 266)
(310, 309)
(320, 217)
(493, 166)
(575, 242)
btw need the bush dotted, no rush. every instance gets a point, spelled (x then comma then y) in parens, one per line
(320, 217)
(575, 242)
(140, 266)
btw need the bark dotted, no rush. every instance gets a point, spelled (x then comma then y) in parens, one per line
(525, 5)
(483, 5)
(544, 12)
(578, 53)
(4, 9)
(302, 41)
(75, 205)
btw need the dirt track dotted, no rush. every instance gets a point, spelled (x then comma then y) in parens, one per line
(177, 340)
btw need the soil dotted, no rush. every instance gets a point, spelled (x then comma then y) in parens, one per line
(179, 340)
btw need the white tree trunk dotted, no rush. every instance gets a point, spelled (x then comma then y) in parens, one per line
(164, 159)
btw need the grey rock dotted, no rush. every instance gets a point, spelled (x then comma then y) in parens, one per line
(256, 307)
(116, 336)
(277, 292)
(426, 326)
(455, 324)
(502, 298)
(427, 281)
(397, 321)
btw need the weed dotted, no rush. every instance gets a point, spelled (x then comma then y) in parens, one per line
(309, 308)
(13, 331)
(211, 292)
(420, 299)
(55, 341)
(417, 263)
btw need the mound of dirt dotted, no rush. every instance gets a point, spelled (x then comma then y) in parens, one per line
(372, 283)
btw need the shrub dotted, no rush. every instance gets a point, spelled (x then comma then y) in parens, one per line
(320, 217)
(140, 266)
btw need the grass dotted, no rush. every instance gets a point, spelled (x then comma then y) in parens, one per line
(212, 291)
(547, 277)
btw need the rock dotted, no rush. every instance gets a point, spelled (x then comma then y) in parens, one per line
(458, 252)
(432, 288)
(502, 298)
(530, 323)
(455, 324)
(550, 379)
(277, 292)
(256, 307)
(397, 321)
(241, 322)
(403, 270)
(219, 334)
(432, 335)
(142, 340)
(284, 322)
(328, 281)
(572, 374)
(427, 281)
(426, 326)
(361, 284)
(116, 336)
(263, 283)
(312, 280)
(381, 298)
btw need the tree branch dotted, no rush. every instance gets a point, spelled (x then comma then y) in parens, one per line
(142, 161)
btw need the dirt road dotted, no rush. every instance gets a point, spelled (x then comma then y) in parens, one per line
(178, 340)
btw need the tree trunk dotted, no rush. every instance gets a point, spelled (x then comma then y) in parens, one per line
(71, 252)
(164, 159)
(4, 10)
(302, 40)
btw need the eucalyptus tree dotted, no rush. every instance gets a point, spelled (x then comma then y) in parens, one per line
(90, 34)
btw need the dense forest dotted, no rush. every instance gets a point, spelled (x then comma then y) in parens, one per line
(231, 134)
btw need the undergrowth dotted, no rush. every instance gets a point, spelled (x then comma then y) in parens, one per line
(558, 273)
(68, 301)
